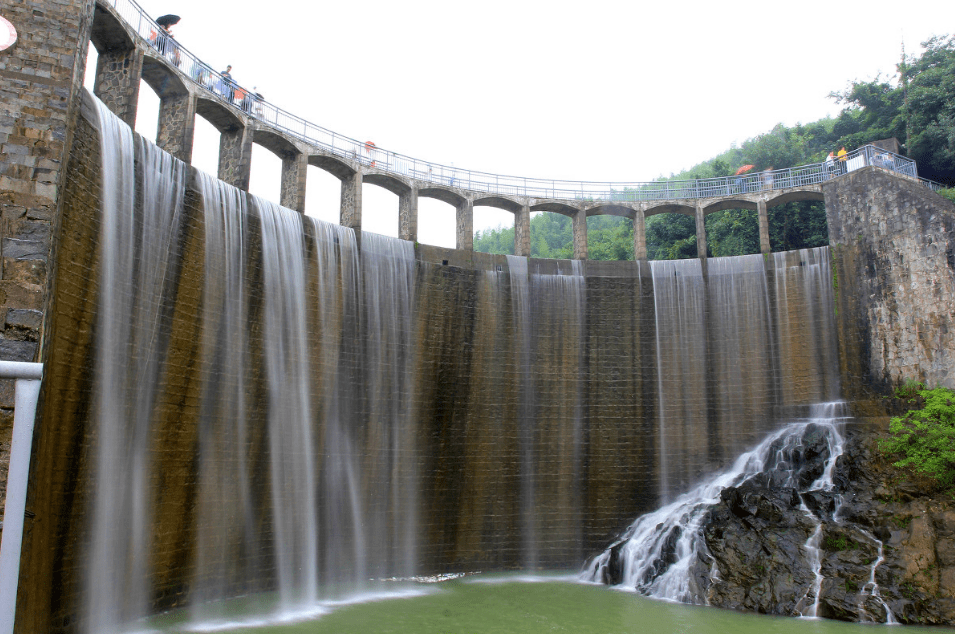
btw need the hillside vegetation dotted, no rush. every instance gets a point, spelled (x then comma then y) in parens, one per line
(917, 107)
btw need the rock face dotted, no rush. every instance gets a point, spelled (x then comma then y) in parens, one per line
(882, 545)
(871, 545)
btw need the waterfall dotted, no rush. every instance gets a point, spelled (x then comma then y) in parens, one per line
(388, 280)
(679, 309)
(655, 554)
(229, 553)
(291, 448)
(280, 414)
(137, 277)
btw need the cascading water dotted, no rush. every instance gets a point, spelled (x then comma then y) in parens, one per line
(679, 305)
(329, 387)
(292, 451)
(545, 307)
(521, 311)
(388, 280)
(655, 555)
(136, 276)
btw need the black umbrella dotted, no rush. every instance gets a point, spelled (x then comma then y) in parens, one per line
(167, 20)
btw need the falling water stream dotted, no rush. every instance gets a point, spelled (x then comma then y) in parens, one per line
(308, 463)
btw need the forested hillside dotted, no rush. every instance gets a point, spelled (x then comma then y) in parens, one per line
(917, 107)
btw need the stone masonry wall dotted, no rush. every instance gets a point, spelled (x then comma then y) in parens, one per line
(893, 246)
(39, 80)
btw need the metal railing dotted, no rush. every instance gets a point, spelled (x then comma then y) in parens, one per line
(369, 155)
(26, 393)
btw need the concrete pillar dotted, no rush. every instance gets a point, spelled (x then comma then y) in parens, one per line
(177, 125)
(639, 235)
(408, 215)
(117, 82)
(522, 232)
(350, 215)
(294, 173)
(700, 233)
(235, 157)
(763, 217)
(465, 225)
(580, 235)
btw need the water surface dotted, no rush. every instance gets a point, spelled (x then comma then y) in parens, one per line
(496, 604)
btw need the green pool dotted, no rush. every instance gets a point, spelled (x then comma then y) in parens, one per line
(506, 604)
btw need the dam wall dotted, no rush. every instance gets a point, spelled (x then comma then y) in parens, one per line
(245, 387)
(893, 252)
(464, 411)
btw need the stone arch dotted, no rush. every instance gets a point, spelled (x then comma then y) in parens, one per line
(611, 209)
(223, 118)
(669, 208)
(557, 207)
(579, 216)
(119, 64)
(729, 203)
(464, 212)
(444, 194)
(109, 33)
(161, 77)
(397, 186)
(802, 195)
(335, 166)
(501, 202)
(275, 142)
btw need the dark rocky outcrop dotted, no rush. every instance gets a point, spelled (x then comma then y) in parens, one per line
(755, 556)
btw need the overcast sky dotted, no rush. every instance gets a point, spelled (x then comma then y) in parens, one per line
(594, 90)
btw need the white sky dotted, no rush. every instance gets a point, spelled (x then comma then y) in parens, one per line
(596, 90)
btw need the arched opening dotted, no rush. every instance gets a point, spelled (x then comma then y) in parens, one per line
(609, 237)
(205, 146)
(147, 112)
(323, 195)
(379, 210)
(671, 236)
(798, 225)
(731, 232)
(494, 230)
(797, 220)
(89, 74)
(265, 177)
(552, 235)
(437, 223)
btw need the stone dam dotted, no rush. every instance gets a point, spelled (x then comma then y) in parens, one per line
(239, 399)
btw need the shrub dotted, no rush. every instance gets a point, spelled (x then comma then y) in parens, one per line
(925, 437)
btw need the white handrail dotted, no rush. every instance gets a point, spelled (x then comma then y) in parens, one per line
(28, 376)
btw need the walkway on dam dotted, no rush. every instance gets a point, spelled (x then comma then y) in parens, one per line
(132, 48)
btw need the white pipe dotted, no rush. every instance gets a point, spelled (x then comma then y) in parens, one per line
(27, 392)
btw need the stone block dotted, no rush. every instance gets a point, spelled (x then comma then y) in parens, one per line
(25, 249)
(22, 318)
(7, 393)
(17, 350)
(25, 271)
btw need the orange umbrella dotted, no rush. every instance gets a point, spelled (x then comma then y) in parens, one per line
(744, 169)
